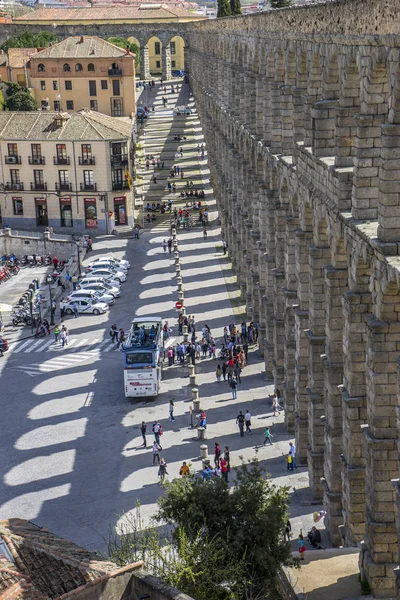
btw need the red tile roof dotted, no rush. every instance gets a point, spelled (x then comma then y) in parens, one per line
(108, 13)
(18, 57)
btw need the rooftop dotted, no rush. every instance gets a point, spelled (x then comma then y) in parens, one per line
(18, 57)
(82, 47)
(44, 125)
(108, 13)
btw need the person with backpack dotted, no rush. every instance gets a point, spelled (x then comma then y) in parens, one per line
(233, 386)
(217, 454)
(240, 423)
(157, 430)
(156, 452)
(289, 459)
(162, 470)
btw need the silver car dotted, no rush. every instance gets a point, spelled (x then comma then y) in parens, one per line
(89, 293)
(102, 288)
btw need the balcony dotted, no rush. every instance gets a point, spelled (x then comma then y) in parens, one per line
(36, 160)
(87, 161)
(119, 159)
(12, 160)
(88, 187)
(14, 186)
(114, 72)
(61, 160)
(120, 185)
(39, 186)
(63, 187)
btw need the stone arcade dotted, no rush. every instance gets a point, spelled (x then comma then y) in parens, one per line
(301, 114)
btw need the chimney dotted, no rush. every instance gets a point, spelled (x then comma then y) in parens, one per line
(81, 40)
(127, 50)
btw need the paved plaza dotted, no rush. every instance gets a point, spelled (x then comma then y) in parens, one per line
(71, 445)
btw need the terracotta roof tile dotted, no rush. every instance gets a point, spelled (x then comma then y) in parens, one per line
(108, 13)
(18, 57)
(82, 47)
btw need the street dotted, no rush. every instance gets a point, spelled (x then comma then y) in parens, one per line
(71, 445)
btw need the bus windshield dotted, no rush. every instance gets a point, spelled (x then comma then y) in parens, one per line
(142, 358)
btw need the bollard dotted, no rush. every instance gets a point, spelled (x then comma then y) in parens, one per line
(196, 406)
(185, 335)
(177, 261)
(181, 296)
(174, 232)
(195, 394)
(201, 433)
(180, 287)
(203, 451)
(192, 380)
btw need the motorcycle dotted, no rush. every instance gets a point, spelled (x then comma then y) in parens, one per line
(21, 317)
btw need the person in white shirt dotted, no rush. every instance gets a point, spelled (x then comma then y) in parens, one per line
(292, 452)
(247, 420)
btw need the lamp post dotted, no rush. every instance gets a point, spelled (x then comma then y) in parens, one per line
(79, 257)
(49, 281)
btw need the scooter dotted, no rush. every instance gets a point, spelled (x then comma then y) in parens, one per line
(21, 317)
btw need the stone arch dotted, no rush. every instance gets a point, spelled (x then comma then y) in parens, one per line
(177, 51)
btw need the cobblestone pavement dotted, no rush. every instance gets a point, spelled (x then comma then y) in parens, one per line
(71, 443)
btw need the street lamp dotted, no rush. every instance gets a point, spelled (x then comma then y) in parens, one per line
(79, 257)
(49, 281)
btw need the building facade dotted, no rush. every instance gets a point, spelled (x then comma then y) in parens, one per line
(71, 172)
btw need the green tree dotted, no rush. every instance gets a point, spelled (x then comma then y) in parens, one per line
(1, 100)
(280, 3)
(224, 8)
(21, 101)
(123, 43)
(27, 39)
(236, 7)
(13, 88)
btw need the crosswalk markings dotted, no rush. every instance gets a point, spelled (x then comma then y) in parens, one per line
(75, 345)
(65, 361)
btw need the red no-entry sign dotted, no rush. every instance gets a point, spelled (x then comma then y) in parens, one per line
(178, 305)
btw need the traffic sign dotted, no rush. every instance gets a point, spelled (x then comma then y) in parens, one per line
(178, 305)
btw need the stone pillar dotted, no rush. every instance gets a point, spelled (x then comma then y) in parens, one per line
(166, 62)
(356, 305)
(389, 185)
(381, 551)
(289, 350)
(287, 116)
(318, 257)
(323, 116)
(336, 283)
(144, 62)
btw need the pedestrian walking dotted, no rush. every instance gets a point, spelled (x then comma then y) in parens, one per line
(56, 333)
(121, 337)
(218, 372)
(170, 356)
(169, 244)
(240, 423)
(184, 470)
(289, 460)
(223, 465)
(143, 429)
(267, 437)
(162, 470)
(275, 405)
(288, 531)
(247, 418)
(182, 173)
(171, 411)
(75, 307)
(204, 233)
(217, 454)
(164, 245)
(157, 430)
(292, 452)
(156, 452)
(224, 370)
(64, 336)
(237, 370)
(74, 281)
(114, 333)
(301, 546)
(227, 457)
(233, 386)
(45, 324)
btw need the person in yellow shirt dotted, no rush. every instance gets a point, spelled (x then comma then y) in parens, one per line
(184, 470)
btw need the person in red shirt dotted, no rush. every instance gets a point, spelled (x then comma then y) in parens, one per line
(223, 465)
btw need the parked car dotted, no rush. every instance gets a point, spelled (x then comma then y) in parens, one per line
(3, 345)
(183, 110)
(102, 288)
(116, 261)
(84, 306)
(107, 272)
(105, 264)
(178, 73)
(89, 278)
(92, 294)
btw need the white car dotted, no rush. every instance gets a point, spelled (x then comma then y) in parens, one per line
(107, 272)
(117, 261)
(101, 279)
(84, 306)
(89, 294)
(105, 264)
(103, 287)
(183, 110)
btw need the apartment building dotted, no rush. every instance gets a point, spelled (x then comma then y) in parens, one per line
(83, 72)
(71, 172)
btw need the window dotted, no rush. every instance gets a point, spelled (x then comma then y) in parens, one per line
(44, 104)
(63, 178)
(12, 149)
(117, 107)
(41, 68)
(66, 68)
(88, 178)
(173, 47)
(173, 64)
(93, 105)
(116, 87)
(36, 150)
(157, 48)
(38, 177)
(66, 212)
(55, 85)
(68, 84)
(92, 88)
(117, 178)
(78, 67)
(61, 151)
(158, 64)
(57, 105)
(118, 148)
(43, 86)
(14, 176)
(104, 84)
(18, 208)
(70, 105)
(86, 152)
(90, 67)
